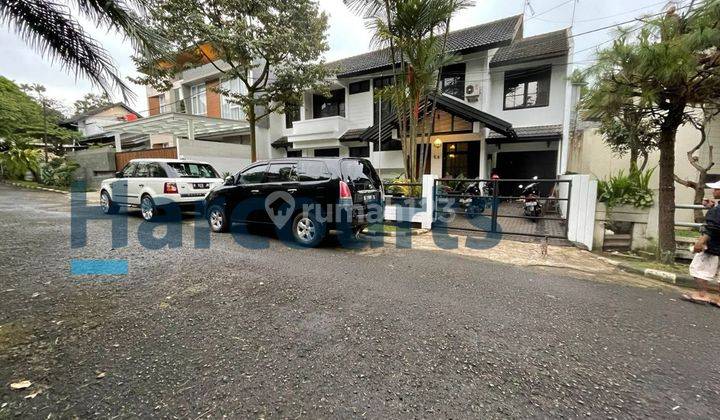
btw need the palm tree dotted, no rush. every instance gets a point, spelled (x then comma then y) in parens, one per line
(415, 30)
(51, 29)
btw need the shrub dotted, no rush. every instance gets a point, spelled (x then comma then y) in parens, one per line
(58, 172)
(402, 190)
(632, 188)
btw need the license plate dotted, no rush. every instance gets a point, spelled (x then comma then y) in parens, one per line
(369, 197)
(201, 185)
(530, 204)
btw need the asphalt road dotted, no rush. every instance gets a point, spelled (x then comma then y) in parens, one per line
(331, 332)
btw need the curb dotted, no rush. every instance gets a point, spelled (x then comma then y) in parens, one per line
(32, 187)
(664, 276)
(412, 232)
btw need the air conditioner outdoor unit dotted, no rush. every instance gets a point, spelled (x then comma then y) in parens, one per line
(472, 92)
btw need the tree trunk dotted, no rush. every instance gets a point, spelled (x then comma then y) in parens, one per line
(634, 156)
(253, 142)
(666, 199)
(698, 214)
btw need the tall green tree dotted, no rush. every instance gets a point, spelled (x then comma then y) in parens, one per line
(50, 28)
(671, 65)
(415, 30)
(272, 46)
(91, 101)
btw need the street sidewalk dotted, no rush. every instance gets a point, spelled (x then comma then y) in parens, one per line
(537, 254)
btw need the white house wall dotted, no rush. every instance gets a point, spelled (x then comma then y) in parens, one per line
(549, 115)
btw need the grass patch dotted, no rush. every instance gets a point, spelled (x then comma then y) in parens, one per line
(677, 268)
(687, 233)
(33, 184)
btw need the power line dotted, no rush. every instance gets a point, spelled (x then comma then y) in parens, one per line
(549, 10)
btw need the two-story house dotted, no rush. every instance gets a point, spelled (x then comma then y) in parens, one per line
(504, 107)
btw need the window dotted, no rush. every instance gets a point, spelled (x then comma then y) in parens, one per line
(360, 151)
(359, 87)
(253, 175)
(329, 107)
(452, 80)
(156, 171)
(142, 171)
(387, 110)
(390, 145)
(327, 152)
(129, 170)
(360, 172)
(312, 170)
(164, 106)
(527, 88)
(198, 100)
(292, 114)
(281, 172)
(294, 153)
(230, 109)
(193, 170)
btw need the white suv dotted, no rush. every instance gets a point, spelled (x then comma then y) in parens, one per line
(151, 184)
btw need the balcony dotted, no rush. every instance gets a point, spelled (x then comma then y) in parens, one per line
(327, 128)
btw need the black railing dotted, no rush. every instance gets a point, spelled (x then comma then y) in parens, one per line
(491, 206)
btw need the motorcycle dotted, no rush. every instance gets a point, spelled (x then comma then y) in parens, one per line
(470, 200)
(532, 208)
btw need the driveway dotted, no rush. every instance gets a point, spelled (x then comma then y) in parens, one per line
(331, 332)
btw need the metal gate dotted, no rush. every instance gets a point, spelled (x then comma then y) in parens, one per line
(498, 206)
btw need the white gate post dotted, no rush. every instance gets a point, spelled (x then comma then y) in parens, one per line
(428, 197)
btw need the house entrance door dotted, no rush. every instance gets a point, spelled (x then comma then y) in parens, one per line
(461, 159)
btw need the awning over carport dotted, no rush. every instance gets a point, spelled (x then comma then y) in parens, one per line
(182, 125)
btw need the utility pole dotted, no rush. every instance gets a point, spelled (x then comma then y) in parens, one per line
(45, 131)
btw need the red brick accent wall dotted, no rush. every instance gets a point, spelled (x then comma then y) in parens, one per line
(213, 99)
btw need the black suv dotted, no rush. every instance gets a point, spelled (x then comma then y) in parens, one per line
(303, 197)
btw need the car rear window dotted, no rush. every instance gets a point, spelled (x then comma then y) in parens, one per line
(360, 171)
(193, 170)
(312, 170)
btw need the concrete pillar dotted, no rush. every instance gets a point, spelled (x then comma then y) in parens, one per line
(118, 141)
(190, 136)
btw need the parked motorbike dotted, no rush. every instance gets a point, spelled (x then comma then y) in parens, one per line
(531, 206)
(470, 199)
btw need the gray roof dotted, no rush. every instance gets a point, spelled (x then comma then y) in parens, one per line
(541, 131)
(488, 35)
(281, 142)
(551, 44)
(353, 134)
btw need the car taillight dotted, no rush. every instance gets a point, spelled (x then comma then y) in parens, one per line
(171, 188)
(345, 191)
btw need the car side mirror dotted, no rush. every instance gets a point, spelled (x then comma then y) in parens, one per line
(118, 174)
(229, 180)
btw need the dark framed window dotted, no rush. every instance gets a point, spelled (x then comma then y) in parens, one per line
(390, 145)
(253, 175)
(281, 172)
(294, 153)
(359, 87)
(528, 88)
(360, 151)
(329, 107)
(387, 110)
(292, 114)
(461, 159)
(334, 152)
(452, 80)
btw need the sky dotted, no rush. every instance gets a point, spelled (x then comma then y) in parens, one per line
(347, 35)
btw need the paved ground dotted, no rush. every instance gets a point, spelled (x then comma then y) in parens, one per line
(331, 332)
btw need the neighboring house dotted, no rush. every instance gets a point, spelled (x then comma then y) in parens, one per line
(92, 124)
(504, 106)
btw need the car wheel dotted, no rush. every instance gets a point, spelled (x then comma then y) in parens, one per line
(217, 219)
(106, 204)
(147, 208)
(308, 230)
